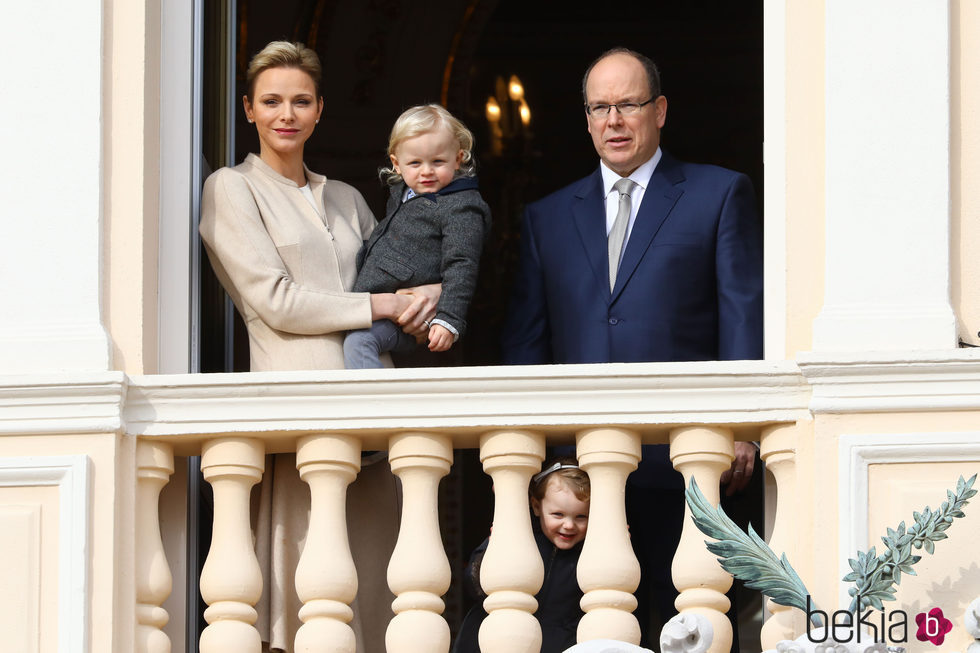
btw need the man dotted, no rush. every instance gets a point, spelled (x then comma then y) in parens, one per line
(664, 267)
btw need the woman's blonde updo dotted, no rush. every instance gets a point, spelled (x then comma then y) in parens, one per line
(284, 54)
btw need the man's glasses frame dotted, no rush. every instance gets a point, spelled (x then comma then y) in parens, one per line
(600, 111)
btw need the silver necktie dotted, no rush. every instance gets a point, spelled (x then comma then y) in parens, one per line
(618, 234)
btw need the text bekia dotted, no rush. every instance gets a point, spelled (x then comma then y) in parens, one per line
(870, 626)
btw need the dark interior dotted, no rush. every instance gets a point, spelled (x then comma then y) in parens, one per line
(382, 56)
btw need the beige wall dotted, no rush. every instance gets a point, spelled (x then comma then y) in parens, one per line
(110, 587)
(949, 578)
(29, 535)
(804, 171)
(805, 161)
(131, 177)
(965, 168)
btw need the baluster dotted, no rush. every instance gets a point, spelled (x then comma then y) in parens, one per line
(231, 580)
(326, 580)
(702, 453)
(608, 571)
(154, 465)
(778, 451)
(419, 572)
(512, 571)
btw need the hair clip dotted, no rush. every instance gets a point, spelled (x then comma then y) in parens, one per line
(554, 468)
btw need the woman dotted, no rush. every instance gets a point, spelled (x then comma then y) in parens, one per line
(283, 242)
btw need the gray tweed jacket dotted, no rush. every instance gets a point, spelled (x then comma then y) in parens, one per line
(430, 238)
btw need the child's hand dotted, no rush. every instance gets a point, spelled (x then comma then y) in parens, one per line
(440, 338)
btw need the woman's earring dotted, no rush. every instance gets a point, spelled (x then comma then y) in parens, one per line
(249, 120)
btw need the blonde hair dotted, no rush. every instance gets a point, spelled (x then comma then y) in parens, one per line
(565, 470)
(283, 54)
(423, 119)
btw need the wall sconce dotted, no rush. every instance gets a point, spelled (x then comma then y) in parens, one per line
(493, 110)
(509, 115)
(515, 89)
(525, 112)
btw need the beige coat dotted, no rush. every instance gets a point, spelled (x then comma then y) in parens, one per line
(288, 271)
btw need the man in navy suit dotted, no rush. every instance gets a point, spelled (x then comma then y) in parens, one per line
(688, 285)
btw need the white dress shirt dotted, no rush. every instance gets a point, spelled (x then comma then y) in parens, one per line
(641, 177)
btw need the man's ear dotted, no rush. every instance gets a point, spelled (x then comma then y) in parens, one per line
(660, 106)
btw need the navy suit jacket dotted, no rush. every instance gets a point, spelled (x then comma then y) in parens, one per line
(689, 286)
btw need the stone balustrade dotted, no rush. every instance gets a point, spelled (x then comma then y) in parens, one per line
(510, 416)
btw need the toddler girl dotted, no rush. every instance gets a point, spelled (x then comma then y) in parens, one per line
(560, 501)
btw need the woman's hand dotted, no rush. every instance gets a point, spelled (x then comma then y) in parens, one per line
(388, 306)
(421, 309)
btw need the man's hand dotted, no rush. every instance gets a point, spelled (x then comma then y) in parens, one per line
(738, 476)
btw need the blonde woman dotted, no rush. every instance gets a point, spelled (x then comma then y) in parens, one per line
(283, 242)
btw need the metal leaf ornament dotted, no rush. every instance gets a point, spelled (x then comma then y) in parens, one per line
(874, 578)
(747, 557)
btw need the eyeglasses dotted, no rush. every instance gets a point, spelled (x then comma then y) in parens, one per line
(624, 108)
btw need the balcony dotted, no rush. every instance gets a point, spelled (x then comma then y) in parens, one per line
(100, 435)
(420, 417)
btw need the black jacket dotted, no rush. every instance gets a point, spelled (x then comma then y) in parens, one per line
(558, 600)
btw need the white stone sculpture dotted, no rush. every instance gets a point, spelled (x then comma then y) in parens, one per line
(606, 646)
(686, 633)
(802, 644)
(971, 619)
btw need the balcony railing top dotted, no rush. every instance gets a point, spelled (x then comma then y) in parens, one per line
(468, 401)
(556, 399)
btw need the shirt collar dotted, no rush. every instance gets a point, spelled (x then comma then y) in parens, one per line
(641, 176)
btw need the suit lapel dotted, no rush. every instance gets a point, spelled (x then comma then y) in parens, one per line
(658, 200)
(589, 215)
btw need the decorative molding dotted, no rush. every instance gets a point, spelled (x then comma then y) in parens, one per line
(857, 452)
(889, 382)
(560, 398)
(566, 397)
(45, 404)
(71, 476)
